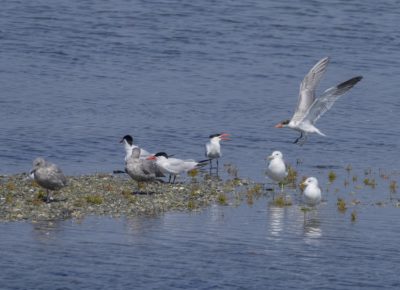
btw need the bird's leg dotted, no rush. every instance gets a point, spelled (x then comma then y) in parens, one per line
(303, 140)
(48, 196)
(217, 167)
(210, 165)
(173, 182)
(282, 185)
(298, 139)
(169, 179)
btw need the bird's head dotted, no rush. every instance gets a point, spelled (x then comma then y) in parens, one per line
(158, 155)
(220, 137)
(128, 139)
(282, 124)
(275, 155)
(38, 162)
(309, 181)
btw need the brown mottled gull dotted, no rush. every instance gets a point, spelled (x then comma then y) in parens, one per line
(48, 176)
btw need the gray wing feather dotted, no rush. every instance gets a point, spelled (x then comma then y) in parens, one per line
(150, 167)
(55, 177)
(328, 98)
(307, 88)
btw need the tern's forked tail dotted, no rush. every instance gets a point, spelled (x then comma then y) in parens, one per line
(202, 163)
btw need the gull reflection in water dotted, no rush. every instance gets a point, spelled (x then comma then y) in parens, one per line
(312, 231)
(275, 218)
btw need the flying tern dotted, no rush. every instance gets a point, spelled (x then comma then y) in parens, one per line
(309, 108)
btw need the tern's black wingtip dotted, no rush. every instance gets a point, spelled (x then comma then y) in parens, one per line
(349, 83)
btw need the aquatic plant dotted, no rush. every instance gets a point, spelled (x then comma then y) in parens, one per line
(250, 200)
(348, 168)
(341, 205)
(346, 182)
(382, 174)
(282, 201)
(193, 173)
(222, 199)
(331, 176)
(353, 216)
(191, 204)
(354, 178)
(393, 186)
(370, 182)
(94, 199)
(291, 178)
(368, 171)
(256, 189)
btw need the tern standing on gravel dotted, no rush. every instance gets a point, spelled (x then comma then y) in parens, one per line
(309, 108)
(175, 166)
(48, 176)
(213, 147)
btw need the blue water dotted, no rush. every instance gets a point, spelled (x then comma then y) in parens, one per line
(244, 247)
(75, 76)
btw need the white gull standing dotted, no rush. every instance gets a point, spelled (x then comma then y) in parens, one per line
(276, 168)
(312, 191)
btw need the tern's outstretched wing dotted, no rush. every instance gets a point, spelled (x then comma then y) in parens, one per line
(328, 98)
(307, 89)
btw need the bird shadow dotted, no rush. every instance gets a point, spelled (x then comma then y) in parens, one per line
(140, 192)
(53, 199)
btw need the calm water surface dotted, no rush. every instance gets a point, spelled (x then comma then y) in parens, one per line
(75, 76)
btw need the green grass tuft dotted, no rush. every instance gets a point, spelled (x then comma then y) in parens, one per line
(331, 176)
(191, 204)
(281, 201)
(341, 205)
(222, 199)
(353, 216)
(393, 186)
(370, 182)
(94, 199)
